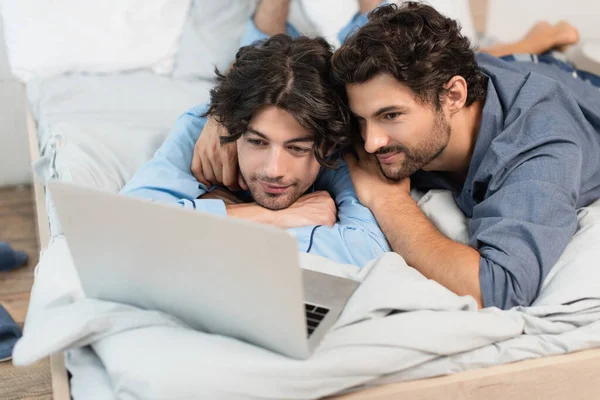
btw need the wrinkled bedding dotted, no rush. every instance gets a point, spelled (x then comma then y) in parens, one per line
(397, 326)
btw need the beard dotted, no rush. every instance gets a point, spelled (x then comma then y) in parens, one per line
(415, 159)
(272, 201)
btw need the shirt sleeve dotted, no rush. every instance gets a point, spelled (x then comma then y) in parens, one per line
(167, 178)
(356, 238)
(526, 220)
(253, 34)
(355, 23)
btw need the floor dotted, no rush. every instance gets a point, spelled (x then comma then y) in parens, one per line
(18, 227)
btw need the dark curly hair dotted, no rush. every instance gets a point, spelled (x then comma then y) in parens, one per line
(292, 74)
(415, 44)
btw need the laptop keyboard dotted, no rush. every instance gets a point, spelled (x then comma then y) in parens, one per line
(314, 316)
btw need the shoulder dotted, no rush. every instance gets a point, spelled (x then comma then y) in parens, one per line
(531, 113)
(520, 88)
(189, 125)
(196, 112)
(334, 179)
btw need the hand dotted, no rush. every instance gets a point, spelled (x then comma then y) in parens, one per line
(213, 164)
(317, 208)
(369, 183)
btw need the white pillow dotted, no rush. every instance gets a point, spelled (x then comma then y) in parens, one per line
(46, 38)
(211, 37)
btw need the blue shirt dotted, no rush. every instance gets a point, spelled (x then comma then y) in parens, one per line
(355, 239)
(536, 160)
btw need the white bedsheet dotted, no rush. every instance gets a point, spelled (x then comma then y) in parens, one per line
(146, 354)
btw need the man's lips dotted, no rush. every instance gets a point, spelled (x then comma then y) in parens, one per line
(388, 158)
(272, 188)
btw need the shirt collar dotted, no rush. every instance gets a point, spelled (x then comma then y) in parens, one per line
(491, 123)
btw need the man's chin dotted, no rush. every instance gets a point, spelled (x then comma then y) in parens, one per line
(398, 173)
(273, 203)
(393, 174)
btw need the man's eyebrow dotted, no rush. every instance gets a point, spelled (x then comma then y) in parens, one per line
(397, 108)
(310, 138)
(257, 133)
(400, 109)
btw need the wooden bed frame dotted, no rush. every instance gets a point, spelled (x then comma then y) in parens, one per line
(60, 382)
(573, 376)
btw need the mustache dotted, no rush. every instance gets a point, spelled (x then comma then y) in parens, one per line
(392, 149)
(278, 180)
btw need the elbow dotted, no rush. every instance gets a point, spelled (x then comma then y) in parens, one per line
(505, 287)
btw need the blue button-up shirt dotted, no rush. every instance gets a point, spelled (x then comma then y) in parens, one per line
(535, 162)
(355, 239)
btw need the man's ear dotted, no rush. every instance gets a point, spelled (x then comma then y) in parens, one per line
(456, 94)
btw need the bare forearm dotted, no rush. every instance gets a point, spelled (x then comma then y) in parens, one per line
(251, 212)
(424, 248)
(271, 16)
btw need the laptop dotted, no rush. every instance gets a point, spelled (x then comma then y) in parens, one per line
(220, 275)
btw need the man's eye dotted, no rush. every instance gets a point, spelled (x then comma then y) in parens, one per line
(257, 142)
(392, 116)
(299, 150)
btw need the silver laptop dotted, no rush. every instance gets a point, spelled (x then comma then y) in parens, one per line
(220, 275)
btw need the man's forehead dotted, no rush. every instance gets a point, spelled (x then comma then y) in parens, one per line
(278, 125)
(381, 91)
(376, 106)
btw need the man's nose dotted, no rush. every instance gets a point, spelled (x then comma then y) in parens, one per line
(276, 164)
(375, 138)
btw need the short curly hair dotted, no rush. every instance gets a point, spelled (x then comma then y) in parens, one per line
(415, 44)
(292, 74)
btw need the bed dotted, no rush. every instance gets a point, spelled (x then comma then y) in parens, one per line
(555, 377)
(546, 375)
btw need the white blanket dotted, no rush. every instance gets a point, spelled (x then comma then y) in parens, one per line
(124, 352)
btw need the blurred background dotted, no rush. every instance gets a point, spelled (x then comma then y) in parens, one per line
(503, 20)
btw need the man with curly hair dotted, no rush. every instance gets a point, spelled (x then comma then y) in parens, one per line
(280, 111)
(518, 143)
(435, 52)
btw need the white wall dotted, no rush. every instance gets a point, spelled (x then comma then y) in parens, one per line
(14, 155)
